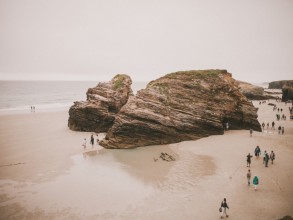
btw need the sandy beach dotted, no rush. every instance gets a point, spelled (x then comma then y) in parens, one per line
(46, 174)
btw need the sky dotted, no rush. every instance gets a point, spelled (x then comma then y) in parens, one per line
(146, 39)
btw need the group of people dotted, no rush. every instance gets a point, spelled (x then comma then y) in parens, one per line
(92, 141)
(266, 158)
(268, 126)
(279, 117)
(33, 108)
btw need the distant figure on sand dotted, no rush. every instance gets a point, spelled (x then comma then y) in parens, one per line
(283, 130)
(255, 182)
(248, 175)
(266, 159)
(273, 125)
(263, 126)
(84, 144)
(248, 160)
(272, 157)
(250, 131)
(227, 126)
(257, 152)
(279, 129)
(92, 140)
(224, 206)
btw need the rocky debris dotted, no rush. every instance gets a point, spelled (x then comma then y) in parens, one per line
(253, 92)
(281, 84)
(104, 101)
(180, 106)
(167, 157)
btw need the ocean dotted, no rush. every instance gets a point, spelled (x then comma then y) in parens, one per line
(21, 95)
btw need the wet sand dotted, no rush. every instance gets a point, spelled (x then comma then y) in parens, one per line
(46, 174)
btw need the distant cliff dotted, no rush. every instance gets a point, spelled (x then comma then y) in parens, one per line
(281, 84)
(103, 102)
(180, 106)
(253, 92)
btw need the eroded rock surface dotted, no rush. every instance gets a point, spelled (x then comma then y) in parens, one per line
(103, 102)
(181, 106)
(253, 92)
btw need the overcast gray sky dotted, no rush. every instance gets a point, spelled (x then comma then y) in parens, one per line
(96, 39)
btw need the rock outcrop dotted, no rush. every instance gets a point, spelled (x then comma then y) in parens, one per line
(281, 84)
(253, 92)
(287, 94)
(104, 101)
(181, 106)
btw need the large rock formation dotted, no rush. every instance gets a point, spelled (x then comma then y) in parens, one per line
(281, 84)
(287, 94)
(253, 92)
(181, 106)
(103, 102)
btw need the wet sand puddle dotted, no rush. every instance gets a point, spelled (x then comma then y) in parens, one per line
(110, 184)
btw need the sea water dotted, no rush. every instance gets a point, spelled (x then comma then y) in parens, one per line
(21, 95)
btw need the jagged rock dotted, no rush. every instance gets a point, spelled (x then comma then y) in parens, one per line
(180, 106)
(253, 92)
(281, 84)
(104, 101)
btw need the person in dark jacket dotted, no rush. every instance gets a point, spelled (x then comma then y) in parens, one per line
(224, 206)
(249, 160)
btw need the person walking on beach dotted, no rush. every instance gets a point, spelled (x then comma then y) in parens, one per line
(250, 131)
(257, 151)
(266, 159)
(248, 160)
(279, 130)
(272, 157)
(224, 207)
(248, 175)
(227, 126)
(84, 144)
(273, 125)
(263, 126)
(283, 130)
(92, 140)
(255, 182)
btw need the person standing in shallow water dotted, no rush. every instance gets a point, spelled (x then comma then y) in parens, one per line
(224, 207)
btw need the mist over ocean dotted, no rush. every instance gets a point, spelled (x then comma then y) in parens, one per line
(20, 95)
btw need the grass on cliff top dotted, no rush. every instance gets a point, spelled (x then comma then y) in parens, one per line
(199, 74)
(118, 81)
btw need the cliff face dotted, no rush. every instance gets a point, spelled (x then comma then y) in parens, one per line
(287, 94)
(253, 92)
(103, 102)
(181, 106)
(281, 84)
